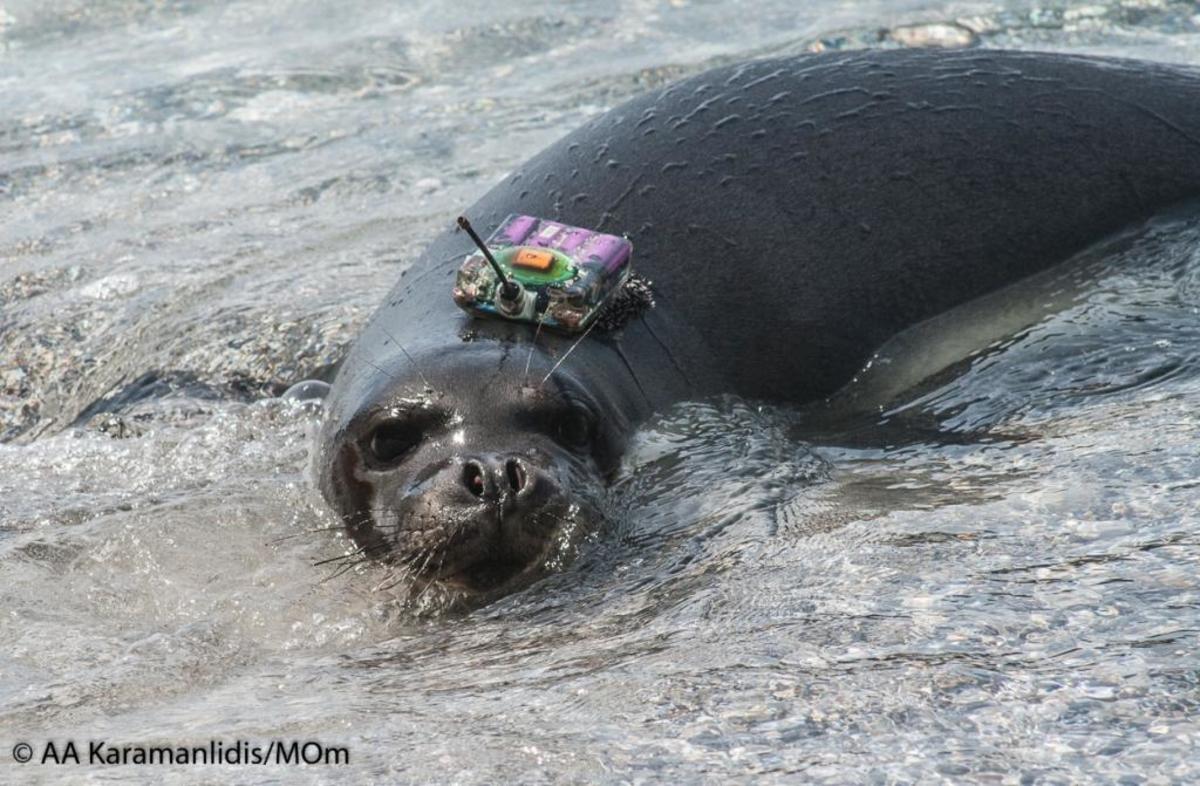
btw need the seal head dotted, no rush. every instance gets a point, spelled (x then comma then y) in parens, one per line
(470, 473)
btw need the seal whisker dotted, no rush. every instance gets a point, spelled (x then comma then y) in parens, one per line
(666, 350)
(342, 557)
(394, 579)
(428, 584)
(304, 532)
(410, 561)
(425, 564)
(412, 360)
(566, 354)
(407, 572)
(387, 374)
(341, 570)
(358, 557)
(632, 374)
(347, 562)
(532, 348)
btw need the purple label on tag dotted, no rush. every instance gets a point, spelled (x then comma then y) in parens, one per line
(607, 250)
(582, 245)
(545, 234)
(572, 240)
(517, 229)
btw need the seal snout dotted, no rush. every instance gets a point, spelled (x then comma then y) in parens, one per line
(496, 478)
(474, 521)
(504, 488)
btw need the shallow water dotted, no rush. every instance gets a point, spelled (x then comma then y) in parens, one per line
(992, 579)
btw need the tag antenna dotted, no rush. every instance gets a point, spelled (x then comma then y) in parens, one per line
(508, 288)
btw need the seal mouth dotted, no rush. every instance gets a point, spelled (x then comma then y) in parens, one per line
(495, 569)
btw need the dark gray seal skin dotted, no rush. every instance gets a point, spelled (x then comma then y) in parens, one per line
(793, 214)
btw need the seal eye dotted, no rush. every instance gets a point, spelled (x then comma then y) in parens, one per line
(574, 429)
(394, 440)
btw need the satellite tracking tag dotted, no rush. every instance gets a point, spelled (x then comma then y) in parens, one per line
(540, 271)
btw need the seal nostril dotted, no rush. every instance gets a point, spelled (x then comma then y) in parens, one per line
(515, 474)
(473, 478)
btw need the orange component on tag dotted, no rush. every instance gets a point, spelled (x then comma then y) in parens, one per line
(534, 259)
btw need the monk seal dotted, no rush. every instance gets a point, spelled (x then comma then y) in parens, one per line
(792, 214)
